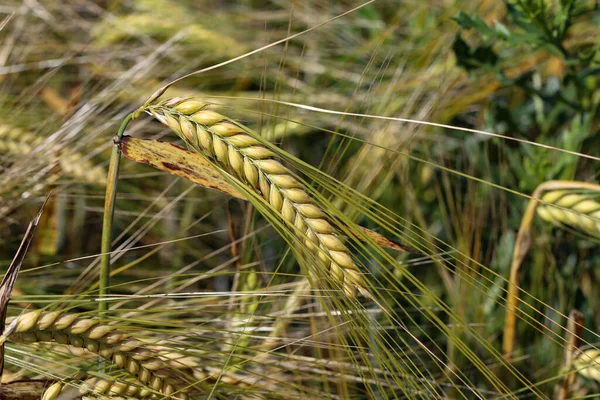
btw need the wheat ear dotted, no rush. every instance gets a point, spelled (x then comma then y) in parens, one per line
(236, 151)
(585, 215)
(129, 354)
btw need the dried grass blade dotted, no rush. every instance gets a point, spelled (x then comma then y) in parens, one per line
(10, 277)
(177, 161)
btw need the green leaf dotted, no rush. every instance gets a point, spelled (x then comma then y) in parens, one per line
(469, 59)
(469, 22)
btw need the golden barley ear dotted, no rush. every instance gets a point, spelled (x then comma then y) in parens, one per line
(255, 169)
(587, 363)
(97, 388)
(129, 354)
(192, 166)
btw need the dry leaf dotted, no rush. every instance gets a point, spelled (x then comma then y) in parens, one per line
(176, 161)
(24, 390)
(10, 276)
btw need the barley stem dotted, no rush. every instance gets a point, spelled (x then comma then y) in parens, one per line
(109, 211)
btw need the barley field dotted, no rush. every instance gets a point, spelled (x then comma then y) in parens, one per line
(314, 199)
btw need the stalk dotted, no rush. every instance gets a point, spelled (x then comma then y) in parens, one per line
(109, 211)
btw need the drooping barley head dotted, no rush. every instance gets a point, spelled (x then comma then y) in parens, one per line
(235, 150)
(574, 209)
(127, 353)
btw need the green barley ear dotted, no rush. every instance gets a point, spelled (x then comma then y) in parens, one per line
(574, 209)
(234, 150)
(122, 351)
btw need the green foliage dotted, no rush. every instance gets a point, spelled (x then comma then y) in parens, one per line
(470, 59)
(548, 94)
(554, 103)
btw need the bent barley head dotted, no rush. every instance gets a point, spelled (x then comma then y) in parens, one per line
(234, 149)
(121, 350)
(569, 208)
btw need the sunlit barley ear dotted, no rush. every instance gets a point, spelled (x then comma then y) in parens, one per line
(122, 351)
(97, 388)
(585, 214)
(54, 391)
(236, 151)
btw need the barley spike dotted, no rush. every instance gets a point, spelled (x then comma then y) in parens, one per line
(587, 363)
(585, 215)
(234, 149)
(126, 353)
(73, 164)
(97, 387)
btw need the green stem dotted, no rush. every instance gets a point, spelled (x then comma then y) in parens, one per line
(109, 211)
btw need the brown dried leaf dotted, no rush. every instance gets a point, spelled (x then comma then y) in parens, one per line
(10, 276)
(192, 166)
(176, 161)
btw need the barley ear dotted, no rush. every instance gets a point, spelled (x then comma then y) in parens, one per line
(71, 163)
(126, 353)
(574, 209)
(98, 388)
(585, 216)
(53, 391)
(238, 153)
(587, 363)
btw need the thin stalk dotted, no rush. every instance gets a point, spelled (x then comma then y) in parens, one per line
(109, 211)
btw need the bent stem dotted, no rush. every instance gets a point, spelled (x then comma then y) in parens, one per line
(109, 211)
